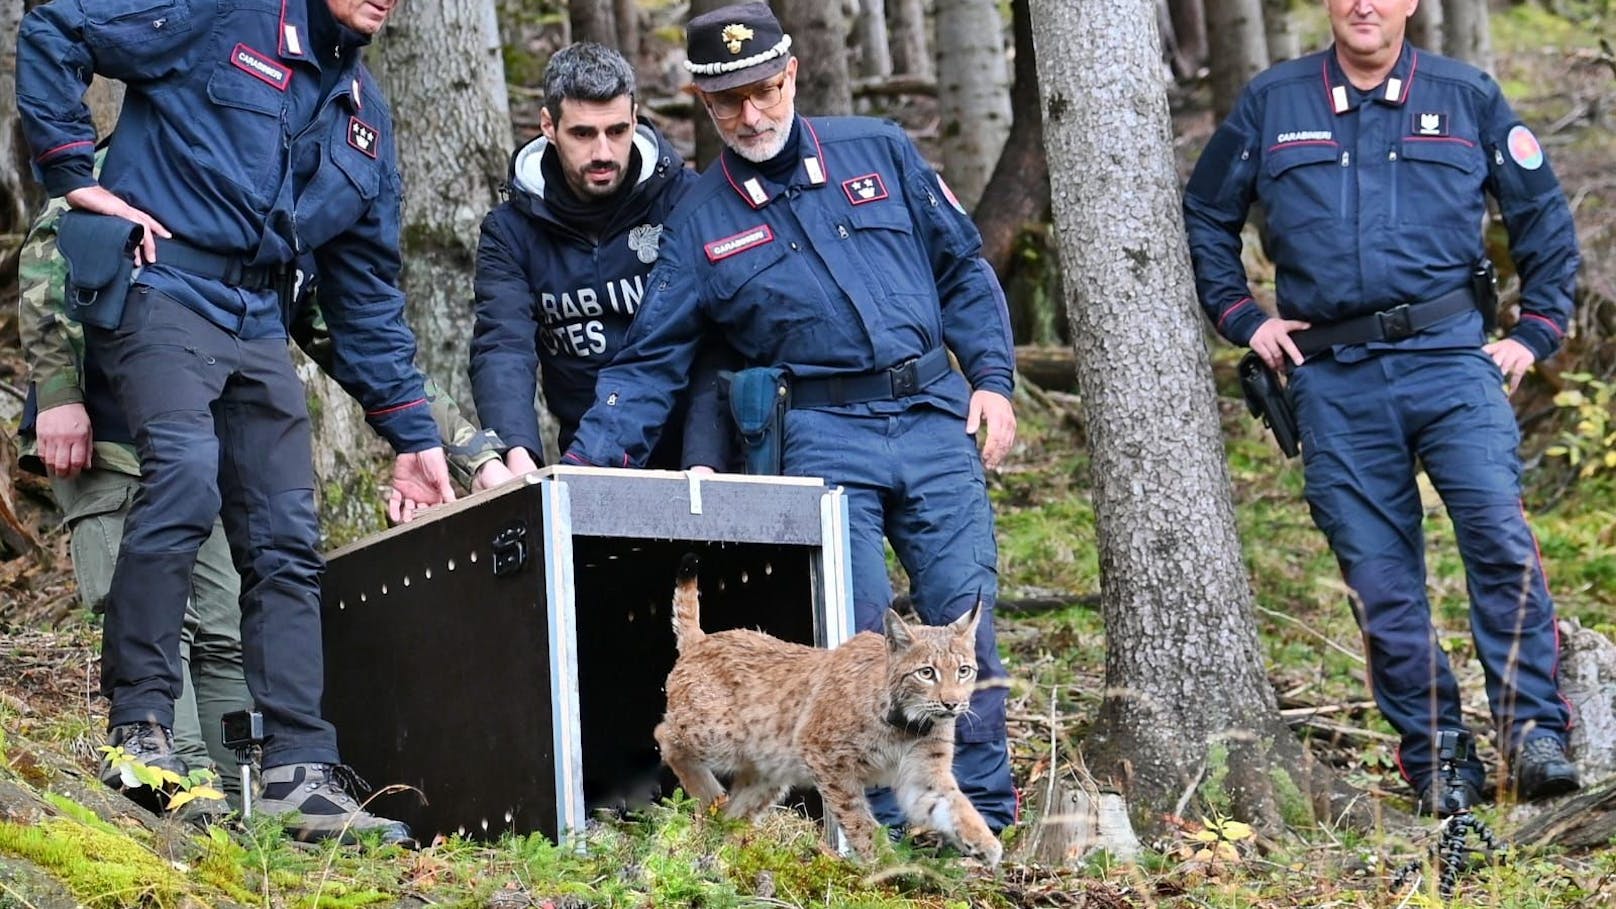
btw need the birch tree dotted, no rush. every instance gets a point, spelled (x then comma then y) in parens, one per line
(906, 36)
(818, 33)
(1237, 49)
(1466, 33)
(1425, 27)
(973, 93)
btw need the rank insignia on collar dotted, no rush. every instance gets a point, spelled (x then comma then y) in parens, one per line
(867, 188)
(1430, 124)
(738, 243)
(362, 135)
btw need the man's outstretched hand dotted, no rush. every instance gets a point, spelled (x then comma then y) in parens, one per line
(420, 480)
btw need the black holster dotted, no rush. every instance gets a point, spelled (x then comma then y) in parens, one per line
(1270, 401)
(1484, 282)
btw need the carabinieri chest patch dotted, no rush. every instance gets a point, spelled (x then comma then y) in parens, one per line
(260, 67)
(739, 243)
(362, 135)
(867, 188)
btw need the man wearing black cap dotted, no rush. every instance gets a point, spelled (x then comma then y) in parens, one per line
(828, 248)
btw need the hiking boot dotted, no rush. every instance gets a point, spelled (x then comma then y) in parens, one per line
(145, 743)
(1542, 770)
(315, 804)
(1442, 798)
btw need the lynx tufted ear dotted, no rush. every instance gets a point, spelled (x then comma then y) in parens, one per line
(899, 633)
(965, 625)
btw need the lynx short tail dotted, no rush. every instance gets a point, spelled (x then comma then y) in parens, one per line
(687, 604)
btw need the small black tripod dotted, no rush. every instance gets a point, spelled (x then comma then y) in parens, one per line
(1450, 853)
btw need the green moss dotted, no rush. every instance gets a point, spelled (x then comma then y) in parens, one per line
(79, 813)
(1214, 786)
(1294, 806)
(100, 868)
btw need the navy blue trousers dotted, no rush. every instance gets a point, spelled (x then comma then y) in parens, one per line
(1367, 427)
(222, 428)
(915, 479)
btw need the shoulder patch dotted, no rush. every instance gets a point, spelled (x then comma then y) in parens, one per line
(1524, 148)
(867, 188)
(738, 243)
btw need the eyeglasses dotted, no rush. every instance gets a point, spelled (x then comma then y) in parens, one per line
(763, 97)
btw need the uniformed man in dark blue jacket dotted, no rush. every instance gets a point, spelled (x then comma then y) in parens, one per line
(1371, 160)
(562, 263)
(830, 248)
(251, 133)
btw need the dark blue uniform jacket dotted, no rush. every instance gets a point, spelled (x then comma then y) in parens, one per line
(250, 130)
(1361, 210)
(786, 288)
(557, 302)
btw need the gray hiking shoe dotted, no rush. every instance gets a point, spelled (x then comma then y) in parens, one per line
(145, 743)
(1543, 771)
(315, 804)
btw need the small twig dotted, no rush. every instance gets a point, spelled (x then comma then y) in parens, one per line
(1311, 630)
(1342, 729)
(1325, 708)
(14, 391)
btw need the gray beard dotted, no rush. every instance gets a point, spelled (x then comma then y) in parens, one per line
(757, 154)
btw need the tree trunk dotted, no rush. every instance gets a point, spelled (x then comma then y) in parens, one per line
(1189, 703)
(1425, 26)
(593, 20)
(1239, 49)
(818, 33)
(1189, 28)
(708, 144)
(874, 55)
(1284, 42)
(1466, 33)
(1018, 191)
(973, 93)
(20, 195)
(439, 65)
(906, 34)
(626, 13)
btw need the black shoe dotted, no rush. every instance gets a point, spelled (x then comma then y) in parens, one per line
(1543, 771)
(315, 805)
(1444, 799)
(143, 743)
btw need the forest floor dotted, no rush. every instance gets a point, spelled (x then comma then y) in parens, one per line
(66, 841)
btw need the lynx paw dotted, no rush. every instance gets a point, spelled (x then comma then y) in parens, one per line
(990, 852)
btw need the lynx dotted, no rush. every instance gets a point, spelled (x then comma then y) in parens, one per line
(877, 711)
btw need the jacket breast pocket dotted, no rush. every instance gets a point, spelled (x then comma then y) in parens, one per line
(766, 293)
(248, 104)
(344, 185)
(134, 23)
(1304, 184)
(1440, 182)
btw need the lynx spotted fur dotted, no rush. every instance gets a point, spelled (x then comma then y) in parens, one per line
(877, 711)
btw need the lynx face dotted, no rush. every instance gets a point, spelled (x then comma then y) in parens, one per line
(931, 671)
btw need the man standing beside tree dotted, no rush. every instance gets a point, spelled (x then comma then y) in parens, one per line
(1372, 160)
(250, 135)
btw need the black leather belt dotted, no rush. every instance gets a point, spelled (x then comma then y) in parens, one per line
(229, 269)
(899, 381)
(1387, 325)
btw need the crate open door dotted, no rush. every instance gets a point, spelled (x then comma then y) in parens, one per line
(504, 656)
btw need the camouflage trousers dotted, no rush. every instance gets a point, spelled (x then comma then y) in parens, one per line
(95, 504)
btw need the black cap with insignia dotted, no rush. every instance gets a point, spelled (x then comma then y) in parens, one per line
(735, 45)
